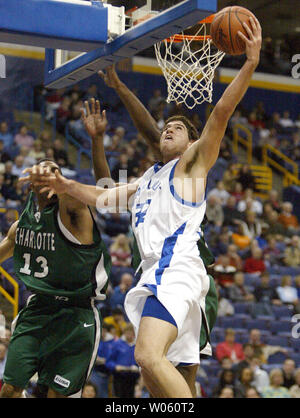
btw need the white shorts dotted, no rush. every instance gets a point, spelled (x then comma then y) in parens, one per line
(180, 292)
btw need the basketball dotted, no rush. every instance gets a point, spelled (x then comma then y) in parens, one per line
(225, 26)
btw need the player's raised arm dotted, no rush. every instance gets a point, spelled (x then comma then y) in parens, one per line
(54, 183)
(95, 123)
(7, 245)
(141, 117)
(202, 155)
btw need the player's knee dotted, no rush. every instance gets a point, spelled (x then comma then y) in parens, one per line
(9, 391)
(146, 359)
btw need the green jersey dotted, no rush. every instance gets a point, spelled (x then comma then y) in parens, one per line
(48, 262)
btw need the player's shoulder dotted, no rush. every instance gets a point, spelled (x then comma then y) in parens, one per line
(12, 230)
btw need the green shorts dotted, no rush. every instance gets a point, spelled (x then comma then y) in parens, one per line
(57, 340)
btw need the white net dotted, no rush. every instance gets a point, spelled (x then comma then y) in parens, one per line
(189, 67)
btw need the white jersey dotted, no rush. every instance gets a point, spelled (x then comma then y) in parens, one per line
(167, 230)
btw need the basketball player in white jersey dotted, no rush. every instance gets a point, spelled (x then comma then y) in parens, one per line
(167, 207)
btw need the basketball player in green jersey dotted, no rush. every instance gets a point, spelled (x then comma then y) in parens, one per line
(60, 257)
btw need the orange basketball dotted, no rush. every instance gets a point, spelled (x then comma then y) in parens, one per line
(225, 26)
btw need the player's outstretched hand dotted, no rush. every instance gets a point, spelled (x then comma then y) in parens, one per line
(53, 183)
(253, 41)
(110, 77)
(94, 121)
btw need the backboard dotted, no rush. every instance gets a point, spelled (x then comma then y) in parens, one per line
(129, 30)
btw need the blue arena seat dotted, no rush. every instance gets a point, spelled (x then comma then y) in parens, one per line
(277, 358)
(280, 326)
(278, 340)
(295, 344)
(261, 324)
(296, 357)
(281, 311)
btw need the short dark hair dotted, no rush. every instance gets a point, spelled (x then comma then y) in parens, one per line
(51, 161)
(191, 128)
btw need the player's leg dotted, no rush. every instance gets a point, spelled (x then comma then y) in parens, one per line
(189, 373)
(69, 350)
(10, 391)
(153, 341)
(53, 394)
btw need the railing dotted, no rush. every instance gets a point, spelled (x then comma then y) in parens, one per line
(246, 142)
(289, 177)
(15, 299)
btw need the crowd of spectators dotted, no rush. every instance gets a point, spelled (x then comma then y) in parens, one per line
(250, 238)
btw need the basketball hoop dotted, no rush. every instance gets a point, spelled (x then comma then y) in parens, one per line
(188, 63)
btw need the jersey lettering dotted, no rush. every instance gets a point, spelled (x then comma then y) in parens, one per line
(140, 215)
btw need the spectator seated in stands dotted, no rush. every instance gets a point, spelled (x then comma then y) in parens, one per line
(231, 214)
(249, 203)
(4, 153)
(63, 114)
(262, 350)
(237, 118)
(5, 136)
(225, 307)
(291, 256)
(276, 228)
(117, 321)
(239, 238)
(287, 219)
(286, 122)
(276, 388)
(214, 211)
(229, 177)
(295, 389)
(224, 271)
(100, 373)
(226, 381)
(272, 252)
(255, 263)
(122, 364)
(89, 391)
(288, 294)
(235, 259)
(251, 226)
(273, 200)
(127, 166)
(60, 154)
(229, 348)
(237, 192)
(37, 152)
(246, 178)
(238, 292)
(249, 354)
(7, 220)
(260, 376)
(23, 138)
(18, 166)
(119, 292)
(244, 382)
(25, 153)
(288, 371)
(265, 297)
(120, 251)
(219, 192)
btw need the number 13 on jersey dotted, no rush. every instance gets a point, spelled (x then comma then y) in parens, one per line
(42, 261)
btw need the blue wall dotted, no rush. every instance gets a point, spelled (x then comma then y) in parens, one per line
(24, 73)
